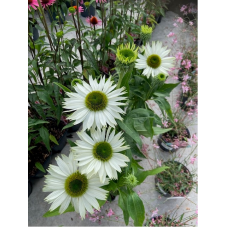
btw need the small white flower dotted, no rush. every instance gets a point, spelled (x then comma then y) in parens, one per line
(154, 60)
(69, 185)
(100, 153)
(95, 104)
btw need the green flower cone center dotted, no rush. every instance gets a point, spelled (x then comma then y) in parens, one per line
(127, 53)
(76, 184)
(102, 151)
(161, 77)
(154, 61)
(96, 101)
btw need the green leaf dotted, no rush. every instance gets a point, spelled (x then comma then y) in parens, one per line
(30, 148)
(158, 131)
(110, 187)
(122, 203)
(142, 175)
(43, 95)
(125, 80)
(101, 202)
(45, 137)
(69, 125)
(127, 128)
(135, 208)
(56, 211)
(164, 106)
(65, 89)
(91, 59)
(130, 38)
(71, 143)
(40, 167)
(32, 122)
(148, 124)
(165, 90)
(53, 139)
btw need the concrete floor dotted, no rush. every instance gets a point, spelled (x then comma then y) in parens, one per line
(151, 198)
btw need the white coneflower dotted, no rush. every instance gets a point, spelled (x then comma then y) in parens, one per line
(100, 153)
(154, 60)
(95, 104)
(69, 185)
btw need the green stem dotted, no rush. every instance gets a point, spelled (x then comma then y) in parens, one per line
(121, 75)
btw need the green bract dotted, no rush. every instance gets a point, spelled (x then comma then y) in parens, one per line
(72, 10)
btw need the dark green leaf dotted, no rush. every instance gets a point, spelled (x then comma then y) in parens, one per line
(56, 211)
(53, 139)
(32, 122)
(122, 203)
(165, 90)
(45, 137)
(91, 59)
(69, 125)
(62, 87)
(71, 143)
(158, 131)
(43, 95)
(40, 167)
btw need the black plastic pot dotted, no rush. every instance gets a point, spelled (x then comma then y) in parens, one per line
(54, 14)
(88, 12)
(74, 128)
(166, 146)
(161, 190)
(138, 42)
(111, 197)
(46, 164)
(168, 219)
(158, 19)
(29, 188)
(69, 4)
(62, 142)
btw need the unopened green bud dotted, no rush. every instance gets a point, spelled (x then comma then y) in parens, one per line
(131, 180)
(66, 41)
(161, 77)
(87, 4)
(59, 34)
(75, 81)
(57, 17)
(72, 9)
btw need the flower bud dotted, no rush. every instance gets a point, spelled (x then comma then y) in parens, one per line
(131, 180)
(57, 17)
(72, 10)
(59, 34)
(87, 4)
(75, 81)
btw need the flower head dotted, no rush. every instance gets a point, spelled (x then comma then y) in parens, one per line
(101, 1)
(180, 20)
(192, 160)
(110, 213)
(33, 4)
(74, 10)
(159, 162)
(87, 4)
(190, 23)
(69, 185)
(126, 54)
(131, 180)
(145, 33)
(154, 60)
(46, 3)
(96, 105)
(171, 34)
(94, 21)
(100, 153)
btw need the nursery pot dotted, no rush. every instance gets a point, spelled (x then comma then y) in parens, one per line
(166, 146)
(35, 33)
(161, 190)
(74, 128)
(74, 2)
(29, 188)
(53, 15)
(88, 12)
(45, 165)
(138, 42)
(158, 18)
(157, 217)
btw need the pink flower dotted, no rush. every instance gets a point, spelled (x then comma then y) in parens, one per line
(183, 83)
(33, 4)
(174, 40)
(155, 145)
(194, 136)
(192, 160)
(193, 38)
(174, 146)
(179, 56)
(176, 120)
(81, 2)
(183, 8)
(93, 21)
(139, 193)
(153, 221)
(185, 89)
(116, 218)
(110, 213)
(155, 212)
(46, 3)
(186, 77)
(180, 20)
(170, 34)
(175, 77)
(159, 162)
(145, 148)
(101, 1)
(176, 105)
(187, 63)
(190, 23)
(37, 102)
(165, 123)
(175, 25)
